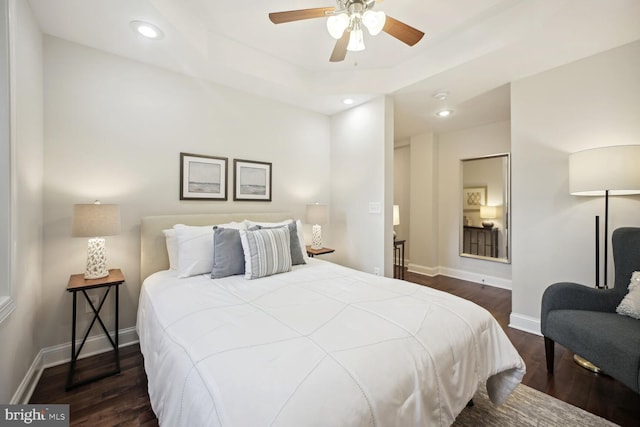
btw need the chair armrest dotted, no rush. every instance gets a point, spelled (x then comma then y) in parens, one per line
(573, 296)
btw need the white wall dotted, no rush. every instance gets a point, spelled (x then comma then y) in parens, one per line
(402, 192)
(436, 202)
(18, 343)
(589, 103)
(362, 173)
(114, 129)
(423, 217)
(479, 141)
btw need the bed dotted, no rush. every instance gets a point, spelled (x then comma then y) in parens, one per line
(319, 345)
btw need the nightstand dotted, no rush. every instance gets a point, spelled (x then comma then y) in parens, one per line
(313, 252)
(77, 283)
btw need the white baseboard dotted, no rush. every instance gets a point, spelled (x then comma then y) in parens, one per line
(59, 354)
(525, 323)
(483, 279)
(421, 269)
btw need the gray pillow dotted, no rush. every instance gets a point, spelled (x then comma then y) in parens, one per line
(228, 256)
(297, 257)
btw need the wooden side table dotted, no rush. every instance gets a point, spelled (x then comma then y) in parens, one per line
(77, 283)
(398, 259)
(313, 252)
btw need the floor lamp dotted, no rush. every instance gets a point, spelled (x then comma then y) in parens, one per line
(604, 171)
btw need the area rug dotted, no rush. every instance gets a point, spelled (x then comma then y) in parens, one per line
(526, 407)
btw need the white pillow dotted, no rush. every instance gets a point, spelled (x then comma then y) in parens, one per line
(172, 247)
(630, 305)
(250, 223)
(266, 251)
(303, 247)
(195, 247)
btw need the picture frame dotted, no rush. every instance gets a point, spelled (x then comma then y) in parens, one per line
(473, 198)
(203, 177)
(252, 180)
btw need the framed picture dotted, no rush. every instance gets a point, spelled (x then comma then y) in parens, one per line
(203, 177)
(473, 198)
(252, 180)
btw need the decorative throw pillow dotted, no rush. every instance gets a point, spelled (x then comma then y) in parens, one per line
(195, 248)
(228, 256)
(630, 305)
(297, 256)
(172, 247)
(266, 252)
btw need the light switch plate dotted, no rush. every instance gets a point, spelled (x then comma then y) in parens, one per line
(375, 207)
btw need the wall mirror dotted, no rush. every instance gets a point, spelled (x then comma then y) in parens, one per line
(484, 217)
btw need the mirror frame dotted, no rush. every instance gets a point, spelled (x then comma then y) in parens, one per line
(506, 212)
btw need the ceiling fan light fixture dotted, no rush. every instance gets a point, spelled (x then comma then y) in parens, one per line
(444, 113)
(336, 24)
(374, 21)
(356, 40)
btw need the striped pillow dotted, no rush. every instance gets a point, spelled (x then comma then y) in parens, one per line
(266, 252)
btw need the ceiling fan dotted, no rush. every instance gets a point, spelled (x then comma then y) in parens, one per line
(345, 24)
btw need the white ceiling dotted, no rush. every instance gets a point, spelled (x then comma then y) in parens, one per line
(472, 49)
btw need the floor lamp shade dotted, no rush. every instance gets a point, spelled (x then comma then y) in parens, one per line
(614, 169)
(317, 214)
(96, 221)
(605, 171)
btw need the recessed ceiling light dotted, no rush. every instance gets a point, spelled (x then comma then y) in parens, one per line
(442, 95)
(347, 101)
(444, 113)
(146, 29)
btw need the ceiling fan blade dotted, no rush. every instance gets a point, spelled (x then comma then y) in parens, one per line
(298, 15)
(340, 49)
(403, 32)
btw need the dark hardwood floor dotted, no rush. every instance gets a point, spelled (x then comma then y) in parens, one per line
(122, 400)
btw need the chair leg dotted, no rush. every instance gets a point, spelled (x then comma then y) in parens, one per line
(549, 347)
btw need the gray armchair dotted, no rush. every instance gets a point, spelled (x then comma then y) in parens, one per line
(584, 319)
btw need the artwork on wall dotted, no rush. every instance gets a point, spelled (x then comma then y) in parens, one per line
(252, 180)
(473, 198)
(203, 177)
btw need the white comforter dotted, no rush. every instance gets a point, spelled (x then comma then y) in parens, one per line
(323, 345)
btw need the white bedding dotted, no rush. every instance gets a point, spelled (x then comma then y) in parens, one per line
(322, 345)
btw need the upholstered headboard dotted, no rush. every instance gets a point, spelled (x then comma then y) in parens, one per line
(153, 250)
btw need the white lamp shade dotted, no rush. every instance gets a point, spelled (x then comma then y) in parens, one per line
(488, 212)
(396, 215)
(95, 220)
(374, 21)
(317, 213)
(336, 24)
(356, 40)
(613, 168)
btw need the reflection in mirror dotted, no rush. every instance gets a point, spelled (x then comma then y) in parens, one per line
(484, 231)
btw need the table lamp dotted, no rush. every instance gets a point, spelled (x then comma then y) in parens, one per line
(396, 218)
(96, 221)
(488, 212)
(317, 214)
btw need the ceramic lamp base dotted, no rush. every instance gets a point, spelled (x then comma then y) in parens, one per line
(96, 259)
(316, 237)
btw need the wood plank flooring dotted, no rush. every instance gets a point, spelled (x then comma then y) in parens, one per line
(122, 400)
